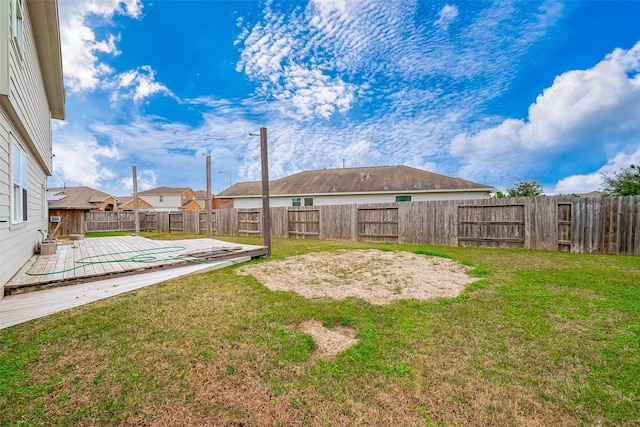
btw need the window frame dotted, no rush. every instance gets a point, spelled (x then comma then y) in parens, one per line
(308, 201)
(17, 12)
(296, 201)
(400, 198)
(19, 170)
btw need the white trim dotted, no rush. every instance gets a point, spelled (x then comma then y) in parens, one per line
(19, 182)
(18, 24)
(4, 47)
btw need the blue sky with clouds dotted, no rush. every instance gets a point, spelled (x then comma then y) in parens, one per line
(487, 91)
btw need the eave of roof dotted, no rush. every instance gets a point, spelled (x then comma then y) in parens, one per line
(46, 30)
(350, 181)
(165, 191)
(369, 193)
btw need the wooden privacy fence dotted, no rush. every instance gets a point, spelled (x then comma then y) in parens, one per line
(606, 225)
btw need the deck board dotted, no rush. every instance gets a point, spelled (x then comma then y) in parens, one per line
(15, 309)
(109, 256)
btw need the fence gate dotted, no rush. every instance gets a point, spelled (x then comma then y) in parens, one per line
(564, 227)
(202, 218)
(491, 225)
(176, 222)
(378, 224)
(304, 224)
(248, 222)
(150, 221)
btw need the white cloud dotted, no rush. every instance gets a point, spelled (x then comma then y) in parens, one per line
(320, 61)
(79, 161)
(593, 109)
(446, 15)
(146, 179)
(80, 47)
(585, 183)
(138, 84)
(273, 55)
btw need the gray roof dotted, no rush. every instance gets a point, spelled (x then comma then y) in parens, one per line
(366, 180)
(75, 198)
(164, 191)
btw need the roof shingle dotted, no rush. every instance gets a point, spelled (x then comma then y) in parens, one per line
(376, 179)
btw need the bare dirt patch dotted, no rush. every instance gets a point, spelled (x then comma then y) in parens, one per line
(372, 275)
(329, 342)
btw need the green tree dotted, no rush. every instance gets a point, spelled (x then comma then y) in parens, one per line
(525, 189)
(623, 183)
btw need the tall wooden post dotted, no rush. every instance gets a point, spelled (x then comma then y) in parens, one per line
(266, 211)
(208, 202)
(135, 201)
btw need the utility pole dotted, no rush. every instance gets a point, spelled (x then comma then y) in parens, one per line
(266, 211)
(135, 201)
(208, 202)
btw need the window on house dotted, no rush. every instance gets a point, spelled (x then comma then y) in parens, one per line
(308, 201)
(18, 23)
(19, 175)
(161, 199)
(296, 201)
(403, 198)
(184, 198)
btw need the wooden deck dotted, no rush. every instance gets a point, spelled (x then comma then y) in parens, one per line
(94, 259)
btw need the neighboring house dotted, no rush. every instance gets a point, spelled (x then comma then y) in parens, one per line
(591, 194)
(201, 198)
(125, 203)
(70, 205)
(380, 184)
(31, 94)
(170, 199)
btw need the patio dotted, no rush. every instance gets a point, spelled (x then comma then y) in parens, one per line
(93, 259)
(96, 268)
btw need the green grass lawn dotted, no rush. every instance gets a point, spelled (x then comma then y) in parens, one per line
(543, 339)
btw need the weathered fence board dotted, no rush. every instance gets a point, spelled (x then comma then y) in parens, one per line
(337, 222)
(564, 226)
(378, 223)
(202, 222)
(304, 223)
(492, 225)
(249, 222)
(607, 225)
(279, 226)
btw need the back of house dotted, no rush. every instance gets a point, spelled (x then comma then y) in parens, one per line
(31, 95)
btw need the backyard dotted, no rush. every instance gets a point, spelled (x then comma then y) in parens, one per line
(541, 338)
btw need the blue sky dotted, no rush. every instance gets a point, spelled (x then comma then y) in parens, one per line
(488, 91)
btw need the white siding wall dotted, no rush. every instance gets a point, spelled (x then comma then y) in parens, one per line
(256, 202)
(169, 203)
(28, 121)
(27, 93)
(18, 241)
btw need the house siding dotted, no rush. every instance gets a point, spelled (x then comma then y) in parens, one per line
(142, 205)
(27, 95)
(279, 201)
(26, 119)
(169, 203)
(18, 241)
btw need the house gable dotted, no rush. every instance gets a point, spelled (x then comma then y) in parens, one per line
(126, 204)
